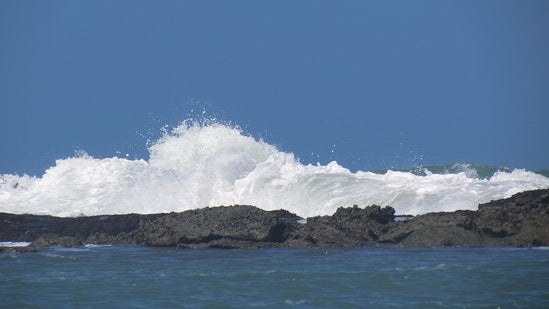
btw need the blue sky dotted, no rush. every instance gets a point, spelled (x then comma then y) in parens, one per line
(389, 83)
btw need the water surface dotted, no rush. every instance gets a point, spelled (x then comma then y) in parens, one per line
(141, 277)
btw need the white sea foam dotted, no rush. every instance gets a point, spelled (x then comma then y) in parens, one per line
(14, 244)
(196, 166)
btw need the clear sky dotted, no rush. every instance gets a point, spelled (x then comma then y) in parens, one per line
(389, 83)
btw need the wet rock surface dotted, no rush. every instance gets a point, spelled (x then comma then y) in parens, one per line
(17, 249)
(522, 220)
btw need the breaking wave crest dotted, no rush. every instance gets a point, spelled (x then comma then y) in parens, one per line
(198, 165)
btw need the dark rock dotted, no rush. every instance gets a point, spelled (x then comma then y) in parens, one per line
(233, 224)
(17, 250)
(433, 230)
(348, 227)
(53, 240)
(522, 220)
(55, 231)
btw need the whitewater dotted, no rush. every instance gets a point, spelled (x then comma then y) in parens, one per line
(198, 165)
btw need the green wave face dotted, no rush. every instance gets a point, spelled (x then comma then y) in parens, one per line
(472, 170)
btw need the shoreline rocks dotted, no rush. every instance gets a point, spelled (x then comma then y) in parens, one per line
(521, 220)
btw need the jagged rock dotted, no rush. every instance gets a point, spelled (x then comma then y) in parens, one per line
(196, 228)
(17, 249)
(48, 230)
(53, 240)
(522, 220)
(433, 230)
(348, 227)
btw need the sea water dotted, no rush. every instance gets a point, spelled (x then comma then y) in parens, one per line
(140, 277)
(200, 164)
(210, 164)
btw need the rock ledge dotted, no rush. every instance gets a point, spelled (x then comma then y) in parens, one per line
(521, 220)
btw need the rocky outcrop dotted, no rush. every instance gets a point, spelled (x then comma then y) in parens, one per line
(219, 227)
(17, 249)
(55, 231)
(348, 227)
(522, 220)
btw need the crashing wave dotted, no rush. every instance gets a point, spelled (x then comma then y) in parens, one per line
(199, 165)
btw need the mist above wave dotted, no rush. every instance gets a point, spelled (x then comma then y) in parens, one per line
(211, 164)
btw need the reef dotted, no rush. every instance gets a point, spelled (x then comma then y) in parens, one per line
(518, 221)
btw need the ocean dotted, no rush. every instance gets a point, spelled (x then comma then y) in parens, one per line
(142, 277)
(200, 164)
(197, 165)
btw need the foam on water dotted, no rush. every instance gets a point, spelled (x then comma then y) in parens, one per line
(14, 244)
(212, 164)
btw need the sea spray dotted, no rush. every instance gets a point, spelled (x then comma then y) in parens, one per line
(204, 164)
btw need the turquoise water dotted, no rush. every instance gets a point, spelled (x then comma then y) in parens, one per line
(140, 277)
